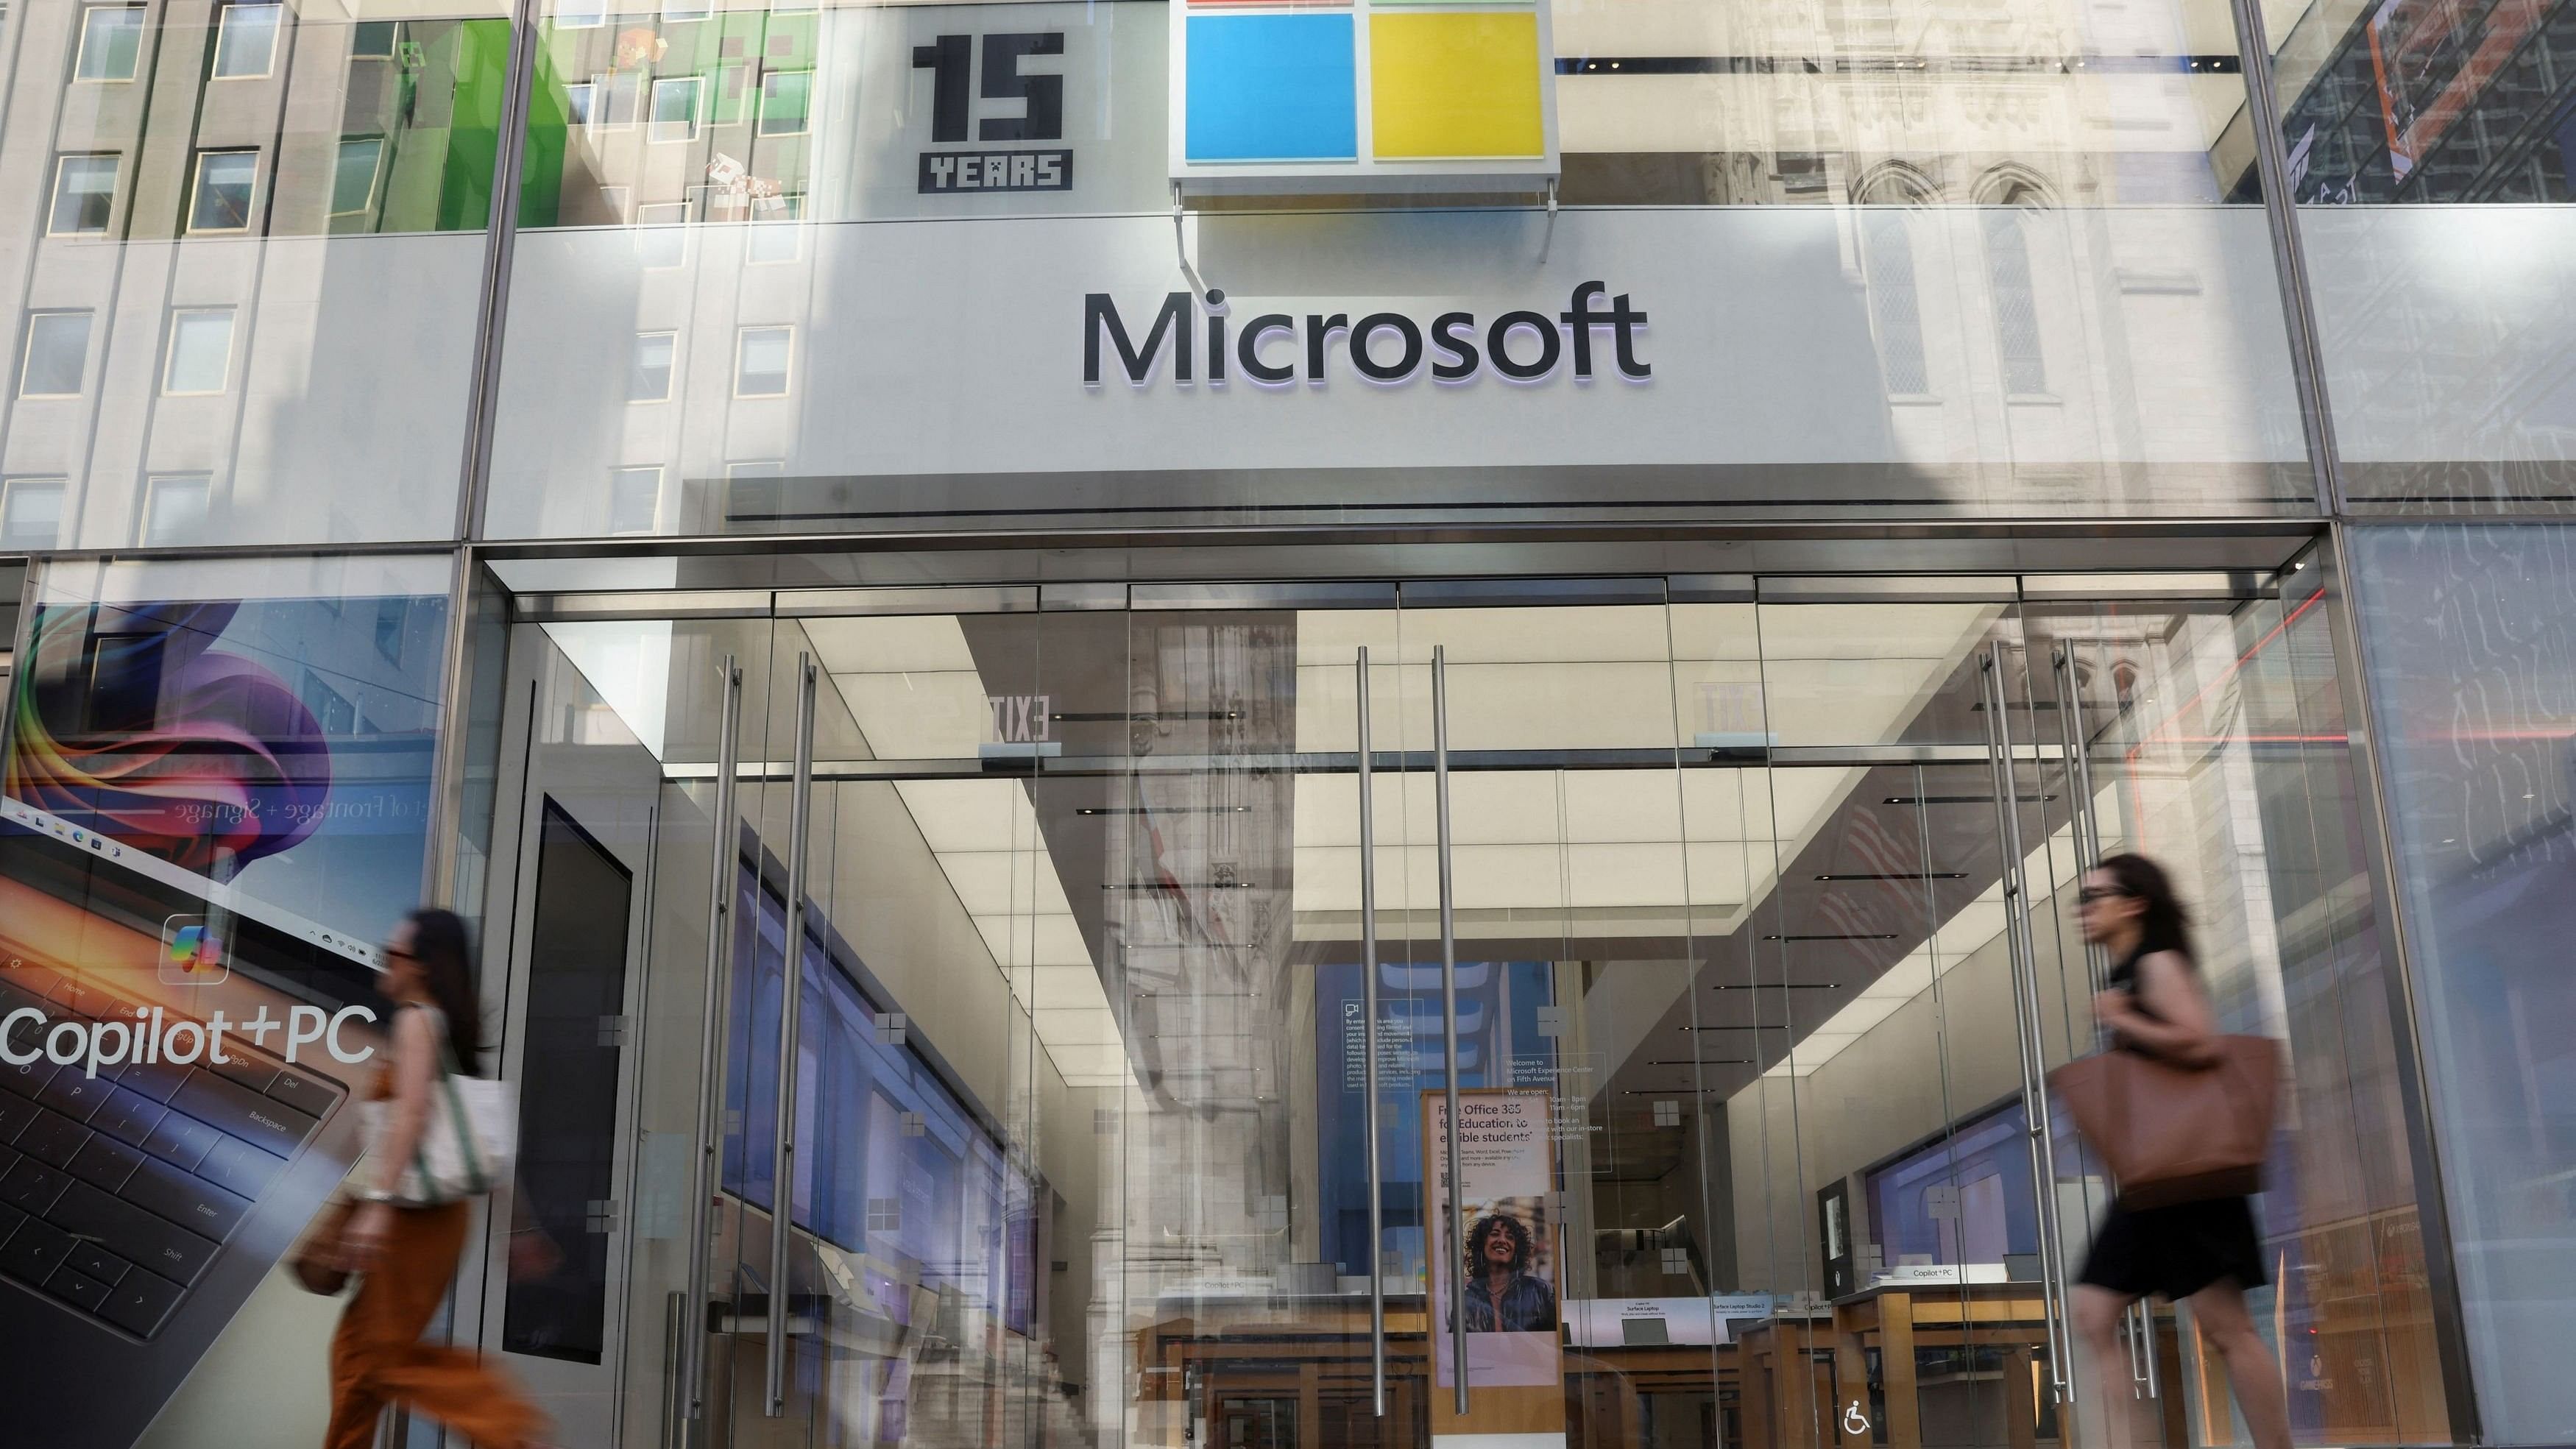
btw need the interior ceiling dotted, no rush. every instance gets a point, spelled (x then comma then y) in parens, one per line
(1654, 870)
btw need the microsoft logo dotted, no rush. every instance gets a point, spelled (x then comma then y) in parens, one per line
(1361, 95)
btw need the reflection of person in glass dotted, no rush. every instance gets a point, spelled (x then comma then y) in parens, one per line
(1503, 1295)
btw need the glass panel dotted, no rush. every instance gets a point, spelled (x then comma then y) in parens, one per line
(214, 779)
(2000, 265)
(2466, 633)
(2218, 745)
(327, 182)
(2431, 153)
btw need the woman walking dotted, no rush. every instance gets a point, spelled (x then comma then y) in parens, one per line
(2203, 1252)
(406, 1251)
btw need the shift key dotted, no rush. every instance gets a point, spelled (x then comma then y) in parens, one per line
(133, 1234)
(261, 1121)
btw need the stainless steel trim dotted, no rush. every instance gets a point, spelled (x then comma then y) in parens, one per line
(962, 599)
(2289, 258)
(1709, 588)
(1901, 754)
(1368, 1053)
(642, 604)
(1509, 593)
(1366, 594)
(2231, 584)
(1888, 589)
(705, 1166)
(2024, 968)
(782, 1175)
(2086, 832)
(1075, 596)
(1448, 1017)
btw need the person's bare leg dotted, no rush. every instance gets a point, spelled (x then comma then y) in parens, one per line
(2219, 1311)
(2097, 1322)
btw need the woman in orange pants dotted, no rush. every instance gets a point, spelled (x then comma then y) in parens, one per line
(408, 1253)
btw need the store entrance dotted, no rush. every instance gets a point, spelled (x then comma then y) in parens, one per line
(1151, 939)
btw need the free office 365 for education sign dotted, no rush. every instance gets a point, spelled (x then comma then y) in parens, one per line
(1325, 96)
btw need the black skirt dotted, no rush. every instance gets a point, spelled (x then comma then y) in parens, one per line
(2176, 1251)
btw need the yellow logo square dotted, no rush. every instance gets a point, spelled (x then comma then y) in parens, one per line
(1448, 83)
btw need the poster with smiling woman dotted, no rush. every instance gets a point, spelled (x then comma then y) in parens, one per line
(1498, 1252)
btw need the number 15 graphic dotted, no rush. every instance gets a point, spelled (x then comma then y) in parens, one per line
(950, 57)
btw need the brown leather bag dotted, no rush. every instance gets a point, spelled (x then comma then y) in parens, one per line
(315, 1260)
(2171, 1133)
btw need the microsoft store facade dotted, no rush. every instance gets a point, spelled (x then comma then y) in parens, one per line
(1256, 594)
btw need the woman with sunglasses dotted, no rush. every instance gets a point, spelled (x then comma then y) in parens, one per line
(405, 1248)
(2203, 1252)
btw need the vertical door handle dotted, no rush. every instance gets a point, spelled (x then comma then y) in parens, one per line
(2024, 968)
(1368, 1055)
(704, 1182)
(1449, 1019)
(782, 1161)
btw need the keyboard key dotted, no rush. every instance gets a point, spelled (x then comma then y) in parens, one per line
(182, 1139)
(128, 1116)
(31, 1187)
(75, 1093)
(14, 997)
(159, 1081)
(241, 1168)
(241, 1067)
(27, 1078)
(186, 1200)
(262, 1121)
(78, 1288)
(10, 1218)
(98, 1263)
(78, 998)
(106, 1162)
(52, 1138)
(140, 1302)
(133, 1234)
(307, 1095)
(15, 1113)
(34, 1251)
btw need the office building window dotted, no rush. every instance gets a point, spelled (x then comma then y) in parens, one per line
(2016, 302)
(353, 175)
(648, 376)
(225, 181)
(662, 235)
(31, 514)
(175, 506)
(774, 235)
(1894, 310)
(56, 363)
(580, 14)
(675, 110)
(372, 39)
(786, 101)
(760, 361)
(246, 41)
(684, 10)
(84, 193)
(111, 41)
(634, 500)
(578, 103)
(616, 100)
(201, 351)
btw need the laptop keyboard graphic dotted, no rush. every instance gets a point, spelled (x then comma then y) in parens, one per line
(117, 1191)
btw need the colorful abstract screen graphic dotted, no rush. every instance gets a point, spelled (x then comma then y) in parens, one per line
(273, 755)
(1361, 95)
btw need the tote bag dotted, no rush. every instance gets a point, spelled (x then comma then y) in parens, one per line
(2172, 1133)
(470, 1141)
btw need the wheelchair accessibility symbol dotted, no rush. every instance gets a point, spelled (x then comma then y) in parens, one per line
(1855, 1423)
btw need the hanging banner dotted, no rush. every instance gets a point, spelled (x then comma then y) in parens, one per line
(1502, 1240)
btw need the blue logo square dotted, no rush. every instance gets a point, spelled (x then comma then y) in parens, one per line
(1272, 88)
